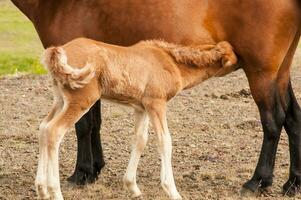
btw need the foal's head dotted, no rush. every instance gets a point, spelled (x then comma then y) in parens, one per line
(228, 62)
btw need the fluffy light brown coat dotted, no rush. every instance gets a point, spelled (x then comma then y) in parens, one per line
(144, 76)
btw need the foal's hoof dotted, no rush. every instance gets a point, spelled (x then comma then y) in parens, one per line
(291, 188)
(132, 187)
(176, 197)
(42, 192)
(136, 194)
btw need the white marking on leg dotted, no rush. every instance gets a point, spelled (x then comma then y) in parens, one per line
(167, 178)
(53, 178)
(139, 143)
(159, 121)
(56, 129)
(41, 178)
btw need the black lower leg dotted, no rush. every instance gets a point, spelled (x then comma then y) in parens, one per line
(98, 160)
(293, 128)
(84, 164)
(272, 118)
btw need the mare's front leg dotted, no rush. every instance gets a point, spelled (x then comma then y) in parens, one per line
(84, 165)
(89, 153)
(156, 110)
(97, 152)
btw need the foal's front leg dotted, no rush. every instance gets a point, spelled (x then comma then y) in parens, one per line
(157, 113)
(139, 142)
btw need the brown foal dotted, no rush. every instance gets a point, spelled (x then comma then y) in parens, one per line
(144, 76)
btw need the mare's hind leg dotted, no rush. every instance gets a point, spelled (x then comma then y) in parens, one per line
(139, 142)
(277, 105)
(292, 125)
(266, 94)
(293, 128)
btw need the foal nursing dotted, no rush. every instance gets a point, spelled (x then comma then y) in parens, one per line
(145, 76)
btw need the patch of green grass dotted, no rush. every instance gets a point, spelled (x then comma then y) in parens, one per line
(10, 64)
(20, 46)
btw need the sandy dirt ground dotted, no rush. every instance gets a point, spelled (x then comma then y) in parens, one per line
(216, 135)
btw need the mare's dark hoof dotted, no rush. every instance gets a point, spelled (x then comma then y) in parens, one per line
(255, 188)
(244, 192)
(81, 177)
(292, 188)
(97, 167)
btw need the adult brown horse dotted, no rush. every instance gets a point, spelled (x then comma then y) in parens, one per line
(265, 34)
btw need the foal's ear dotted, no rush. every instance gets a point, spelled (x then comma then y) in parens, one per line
(228, 56)
(229, 60)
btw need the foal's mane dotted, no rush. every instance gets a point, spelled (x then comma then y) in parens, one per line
(197, 56)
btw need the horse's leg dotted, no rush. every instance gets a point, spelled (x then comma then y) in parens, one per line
(88, 144)
(55, 130)
(41, 178)
(292, 125)
(277, 106)
(156, 110)
(266, 94)
(293, 128)
(97, 152)
(75, 106)
(139, 142)
(83, 167)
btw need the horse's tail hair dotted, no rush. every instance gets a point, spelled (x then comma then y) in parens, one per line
(201, 55)
(55, 61)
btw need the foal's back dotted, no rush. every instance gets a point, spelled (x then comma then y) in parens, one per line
(127, 70)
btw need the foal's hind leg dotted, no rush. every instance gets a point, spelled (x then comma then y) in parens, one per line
(56, 129)
(156, 110)
(139, 142)
(41, 178)
(76, 103)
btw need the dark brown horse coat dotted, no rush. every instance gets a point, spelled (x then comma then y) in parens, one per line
(264, 33)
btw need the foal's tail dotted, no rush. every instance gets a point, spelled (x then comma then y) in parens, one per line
(55, 60)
